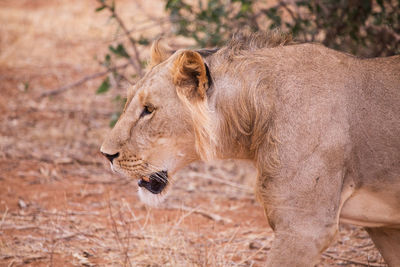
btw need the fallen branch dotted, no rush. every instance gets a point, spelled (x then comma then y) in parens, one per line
(212, 216)
(3, 217)
(71, 213)
(32, 259)
(332, 256)
(83, 80)
(253, 255)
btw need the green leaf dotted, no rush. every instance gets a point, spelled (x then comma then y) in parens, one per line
(107, 60)
(117, 98)
(119, 50)
(100, 8)
(143, 63)
(26, 86)
(245, 7)
(104, 86)
(143, 41)
(113, 6)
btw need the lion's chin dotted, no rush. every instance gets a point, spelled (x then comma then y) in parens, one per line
(151, 199)
(155, 183)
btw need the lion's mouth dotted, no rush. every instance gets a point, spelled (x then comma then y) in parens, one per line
(156, 183)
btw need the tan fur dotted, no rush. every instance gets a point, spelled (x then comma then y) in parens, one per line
(322, 128)
(159, 51)
(243, 41)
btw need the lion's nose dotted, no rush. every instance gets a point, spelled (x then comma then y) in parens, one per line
(110, 157)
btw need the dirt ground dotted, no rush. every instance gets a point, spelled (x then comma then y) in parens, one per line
(60, 205)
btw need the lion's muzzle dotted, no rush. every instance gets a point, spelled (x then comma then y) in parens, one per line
(110, 157)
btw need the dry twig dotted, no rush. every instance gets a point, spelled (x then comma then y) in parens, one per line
(3, 217)
(212, 216)
(137, 63)
(335, 257)
(123, 246)
(82, 81)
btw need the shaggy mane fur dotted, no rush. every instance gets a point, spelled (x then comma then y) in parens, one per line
(248, 116)
(247, 41)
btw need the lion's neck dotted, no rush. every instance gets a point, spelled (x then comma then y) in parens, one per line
(241, 124)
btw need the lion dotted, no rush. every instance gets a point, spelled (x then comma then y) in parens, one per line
(322, 127)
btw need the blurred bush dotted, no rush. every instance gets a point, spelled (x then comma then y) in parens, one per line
(365, 28)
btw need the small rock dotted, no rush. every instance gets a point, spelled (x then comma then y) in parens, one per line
(22, 204)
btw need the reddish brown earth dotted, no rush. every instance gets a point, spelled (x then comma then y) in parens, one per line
(59, 203)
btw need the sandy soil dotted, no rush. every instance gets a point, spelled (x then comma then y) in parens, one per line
(59, 203)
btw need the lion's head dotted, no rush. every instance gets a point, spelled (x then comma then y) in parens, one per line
(164, 125)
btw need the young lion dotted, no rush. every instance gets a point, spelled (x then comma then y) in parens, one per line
(322, 128)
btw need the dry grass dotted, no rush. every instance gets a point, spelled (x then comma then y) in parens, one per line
(59, 203)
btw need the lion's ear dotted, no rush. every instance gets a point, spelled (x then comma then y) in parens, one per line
(160, 51)
(190, 76)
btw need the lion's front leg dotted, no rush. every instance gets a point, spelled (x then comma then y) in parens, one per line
(295, 248)
(300, 247)
(302, 208)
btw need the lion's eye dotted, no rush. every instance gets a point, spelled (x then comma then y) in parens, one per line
(147, 110)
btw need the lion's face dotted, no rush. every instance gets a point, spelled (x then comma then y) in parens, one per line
(154, 137)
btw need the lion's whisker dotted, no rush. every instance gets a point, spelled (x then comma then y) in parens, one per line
(161, 177)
